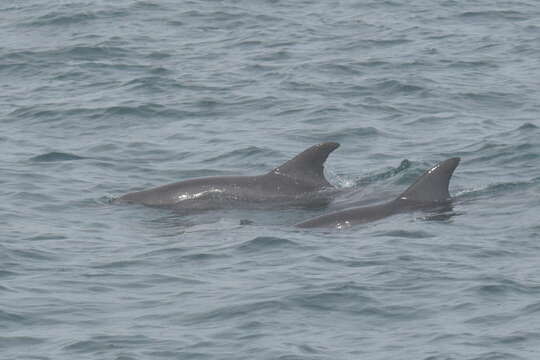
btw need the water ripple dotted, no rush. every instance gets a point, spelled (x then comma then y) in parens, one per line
(261, 243)
(97, 343)
(19, 341)
(164, 91)
(56, 156)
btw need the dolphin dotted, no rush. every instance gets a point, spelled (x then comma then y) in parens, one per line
(298, 182)
(430, 191)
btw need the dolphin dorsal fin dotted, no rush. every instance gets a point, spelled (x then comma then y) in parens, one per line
(308, 166)
(433, 185)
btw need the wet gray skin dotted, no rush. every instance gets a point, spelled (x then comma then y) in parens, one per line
(298, 182)
(428, 192)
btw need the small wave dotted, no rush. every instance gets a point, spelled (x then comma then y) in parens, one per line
(359, 132)
(266, 242)
(491, 320)
(218, 16)
(342, 135)
(201, 257)
(490, 253)
(518, 337)
(145, 110)
(13, 341)
(352, 300)
(342, 69)
(389, 42)
(147, 5)
(505, 287)
(375, 43)
(245, 44)
(88, 53)
(56, 18)
(34, 254)
(155, 82)
(98, 343)
(244, 310)
(166, 251)
(333, 301)
(493, 189)
(374, 63)
(406, 234)
(90, 56)
(158, 55)
(5, 289)
(273, 56)
(64, 18)
(165, 279)
(528, 127)
(239, 154)
(208, 102)
(503, 154)
(462, 64)
(304, 86)
(350, 263)
(323, 111)
(42, 114)
(531, 309)
(491, 99)
(496, 355)
(431, 120)
(392, 87)
(7, 273)
(10, 317)
(36, 196)
(47, 236)
(494, 15)
(119, 264)
(17, 68)
(56, 156)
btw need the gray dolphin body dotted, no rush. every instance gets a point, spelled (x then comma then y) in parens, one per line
(298, 182)
(428, 192)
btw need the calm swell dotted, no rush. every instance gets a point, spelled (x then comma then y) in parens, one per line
(102, 99)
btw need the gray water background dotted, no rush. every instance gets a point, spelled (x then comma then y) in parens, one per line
(100, 98)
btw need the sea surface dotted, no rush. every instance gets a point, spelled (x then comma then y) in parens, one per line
(101, 98)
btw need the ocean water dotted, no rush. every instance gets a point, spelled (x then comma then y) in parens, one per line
(101, 98)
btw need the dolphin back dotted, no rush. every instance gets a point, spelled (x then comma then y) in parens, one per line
(288, 183)
(431, 189)
(432, 186)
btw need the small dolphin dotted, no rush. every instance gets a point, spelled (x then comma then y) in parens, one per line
(298, 182)
(428, 192)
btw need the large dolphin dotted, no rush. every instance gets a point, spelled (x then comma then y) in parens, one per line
(298, 182)
(428, 192)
